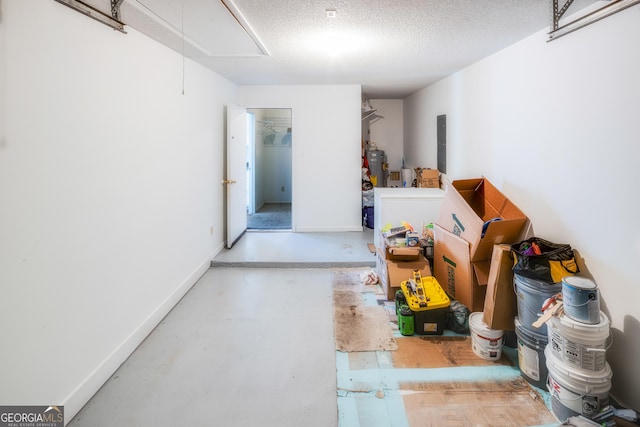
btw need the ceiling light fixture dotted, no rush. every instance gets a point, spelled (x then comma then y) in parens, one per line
(334, 43)
(331, 13)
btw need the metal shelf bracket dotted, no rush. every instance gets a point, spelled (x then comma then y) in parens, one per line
(115, 9)
(558, 31)
(91, 12)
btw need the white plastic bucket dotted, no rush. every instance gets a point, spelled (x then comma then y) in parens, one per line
(531, 358)
(531, 295)
(576, 392)
(578, 344)
(581, 299)
(486, 343)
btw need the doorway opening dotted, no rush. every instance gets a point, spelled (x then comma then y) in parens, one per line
(269, 169)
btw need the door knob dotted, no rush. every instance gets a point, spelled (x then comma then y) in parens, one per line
(229, 181)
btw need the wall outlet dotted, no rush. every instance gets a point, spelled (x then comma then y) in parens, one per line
(282, 188)
(211, 231)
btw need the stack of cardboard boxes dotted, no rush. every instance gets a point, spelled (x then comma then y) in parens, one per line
(475, 217)
(396, 264)
(471, 258)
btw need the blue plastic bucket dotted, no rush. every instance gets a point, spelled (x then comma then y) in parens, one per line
(581, 299)
(531, 295)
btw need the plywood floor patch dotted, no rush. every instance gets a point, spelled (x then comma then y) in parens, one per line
(429, 380)
(358, 326)
(461, 404)
(438, 352)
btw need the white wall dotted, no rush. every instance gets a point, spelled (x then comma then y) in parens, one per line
(110, 183)
(272, 166)
(278, 174)
(386, 130)
(3, 79)
(275, 159)
(326, 152)
(555, 125)
(258, 168)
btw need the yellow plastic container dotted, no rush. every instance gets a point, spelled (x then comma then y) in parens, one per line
(429, 303)
(424, 293)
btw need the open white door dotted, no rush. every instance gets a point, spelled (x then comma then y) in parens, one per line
(236, 180)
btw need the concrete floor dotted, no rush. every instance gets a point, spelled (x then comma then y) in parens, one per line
(245, 346)
(286, 249)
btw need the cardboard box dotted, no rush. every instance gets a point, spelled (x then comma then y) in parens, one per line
(428, 178)
(400, 253)
(501, 302)
(476, 211)
(459, 277)
(392, 273)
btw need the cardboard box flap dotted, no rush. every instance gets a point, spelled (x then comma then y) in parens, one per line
(487, 201)
(403, 253)
(482, 203)
(494, 231)
(481, 270)
(400, 251)
(497, 235)
(454, 271)
(476, 211)
(500, 304)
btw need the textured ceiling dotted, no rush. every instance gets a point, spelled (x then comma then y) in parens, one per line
(390, 47)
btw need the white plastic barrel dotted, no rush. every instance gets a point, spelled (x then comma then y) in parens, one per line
(486, 343)
(575, 391)
(579, 344)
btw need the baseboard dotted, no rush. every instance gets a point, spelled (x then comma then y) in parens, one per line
(74, 403)
(300, 264)
(217, 250)
(328, 229)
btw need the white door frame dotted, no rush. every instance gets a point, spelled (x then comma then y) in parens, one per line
(251, 160)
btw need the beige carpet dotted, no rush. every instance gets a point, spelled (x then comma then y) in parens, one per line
(358, 327)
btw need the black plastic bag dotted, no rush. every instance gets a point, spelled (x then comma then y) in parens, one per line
(540, 259)
(458, 318)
